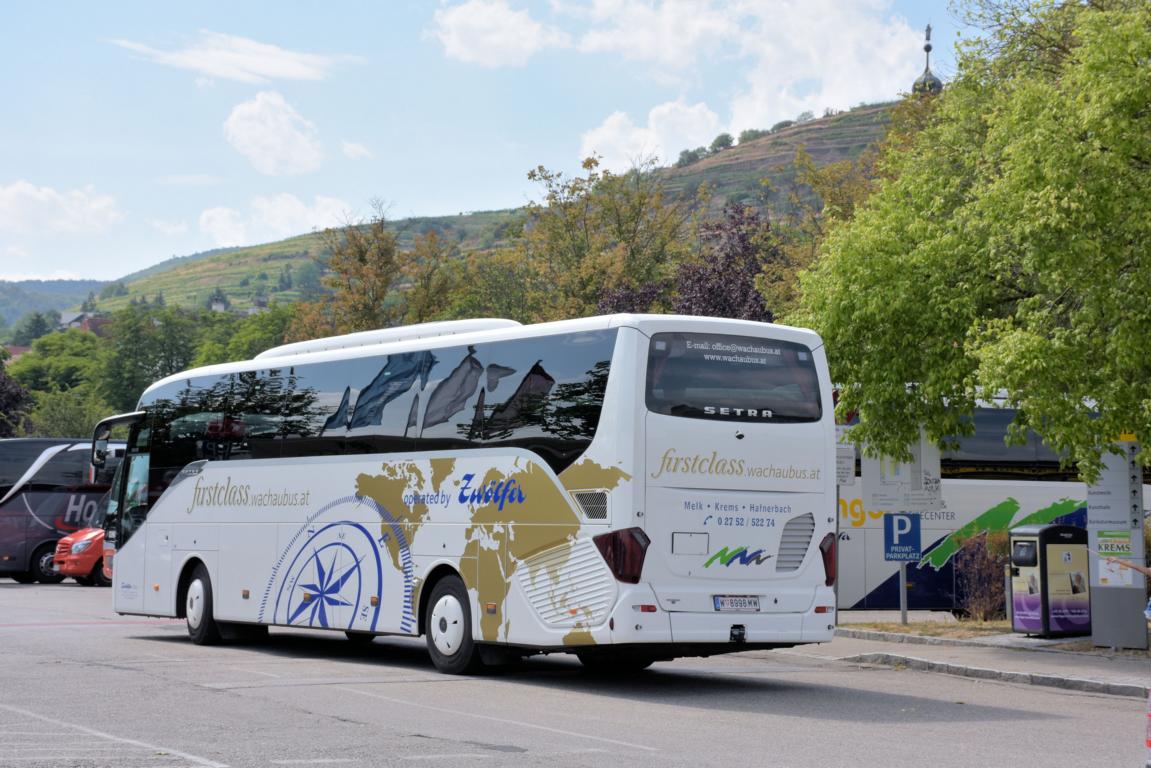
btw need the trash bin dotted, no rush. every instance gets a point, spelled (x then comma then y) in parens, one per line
(1049, 581)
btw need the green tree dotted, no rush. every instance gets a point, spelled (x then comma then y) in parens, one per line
(32, 326)
(721, 142)
(59, 361)
(1008, 248)
(14, 402)
(600, 231)
(430, 273)
(72, 413)
(308, 281)
(364, 274)
(689, 156)
(491, 286)
(148, 343)
(258, 332)
(214, 331)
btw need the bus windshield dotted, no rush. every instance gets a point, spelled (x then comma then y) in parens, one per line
(732, 378)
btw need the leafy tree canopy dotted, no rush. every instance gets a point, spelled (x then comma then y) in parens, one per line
(722, 142)
(32, 326)
(601, 231)
(59, 361)
(1007, 248)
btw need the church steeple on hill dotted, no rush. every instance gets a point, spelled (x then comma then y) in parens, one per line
(927, 82)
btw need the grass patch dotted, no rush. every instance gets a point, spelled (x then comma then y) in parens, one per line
(961, 629)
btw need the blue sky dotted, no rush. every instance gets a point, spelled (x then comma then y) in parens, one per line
(137, 131)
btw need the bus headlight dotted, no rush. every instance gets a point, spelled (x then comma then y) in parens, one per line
(80, 546)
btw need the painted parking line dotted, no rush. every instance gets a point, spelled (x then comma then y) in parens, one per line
(155, 749)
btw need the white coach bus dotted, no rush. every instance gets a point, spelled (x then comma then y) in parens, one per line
(628, 488)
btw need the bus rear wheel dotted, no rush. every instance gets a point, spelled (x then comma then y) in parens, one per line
(202, 627)
(42, 569)
(448, 624)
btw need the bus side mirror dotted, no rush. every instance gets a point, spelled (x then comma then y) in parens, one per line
(100, 445)
(99, 452)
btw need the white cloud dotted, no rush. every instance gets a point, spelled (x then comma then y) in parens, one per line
(491, 34)
(669, 128)
(272, 218)
(820, 54)
(225, 226)
(796, 57)
(25, 207)
(230, 57)
(285, 215)
(169, 228)
(274, 137)
(354, 151)
(671, 33)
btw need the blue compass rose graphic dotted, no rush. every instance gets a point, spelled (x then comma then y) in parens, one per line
(331, 579)
(324, 591)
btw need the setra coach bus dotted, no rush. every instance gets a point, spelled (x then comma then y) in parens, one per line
(627, 488)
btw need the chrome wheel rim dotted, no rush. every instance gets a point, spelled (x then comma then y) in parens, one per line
(447, 625)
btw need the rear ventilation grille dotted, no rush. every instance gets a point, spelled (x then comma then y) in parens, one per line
(569, 585)
(593, 504)
(794, 543)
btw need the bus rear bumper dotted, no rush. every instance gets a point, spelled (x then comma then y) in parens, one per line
(638, 618)
(752, 628)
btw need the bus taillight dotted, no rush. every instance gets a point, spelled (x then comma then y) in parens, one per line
(827, 549)
(624, 552)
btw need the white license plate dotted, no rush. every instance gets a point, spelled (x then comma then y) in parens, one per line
(736, 603)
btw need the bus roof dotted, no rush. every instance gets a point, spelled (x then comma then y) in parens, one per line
(330, 348)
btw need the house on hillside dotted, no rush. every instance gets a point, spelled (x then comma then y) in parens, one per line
(84, 321)
(81, 320)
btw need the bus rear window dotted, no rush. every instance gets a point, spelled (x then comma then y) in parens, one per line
(731, 378)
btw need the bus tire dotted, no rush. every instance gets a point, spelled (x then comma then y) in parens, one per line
(448, 626)
(42, 565)
(84, 581)
(97, 576)
(202, 627)
(22, 578)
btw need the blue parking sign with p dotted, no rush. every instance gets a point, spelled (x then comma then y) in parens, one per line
(901, 536)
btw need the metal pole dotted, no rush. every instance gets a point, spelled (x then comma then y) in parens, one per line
(903, 591)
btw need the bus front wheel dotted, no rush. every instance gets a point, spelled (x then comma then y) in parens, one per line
(202, 627)
(448, 624)
(42, 565)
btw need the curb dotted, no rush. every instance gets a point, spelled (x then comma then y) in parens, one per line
(981, 673)
(899, 637)
(1034, 644)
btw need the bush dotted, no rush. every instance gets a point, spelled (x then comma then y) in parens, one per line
(979, 575)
